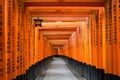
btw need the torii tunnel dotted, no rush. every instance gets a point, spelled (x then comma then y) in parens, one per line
(37, 36)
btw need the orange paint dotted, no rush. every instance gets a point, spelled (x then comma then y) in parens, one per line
(96, 44)
(114, 38)
(2, 42)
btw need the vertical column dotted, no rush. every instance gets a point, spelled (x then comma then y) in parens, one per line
(114, 37)
(9, 39)
(86, 43)
(74, 44)
(41, 46)
(89, 41)
(61, 50)
(36, 44)
(66, 49)
(26, 40)
(49, 49)
(97, 38)
(78, 44)
(13, 40)
(100, 38)
(82, 42)
(45, 48)
(11, 35)
(24, 43)
(118, 34)
(110, 42)
(93, 42)
(70, 47)
(32, 43)
(19, 38)
(28, 35)
(23, 24)
(2, 42)
(106, 38)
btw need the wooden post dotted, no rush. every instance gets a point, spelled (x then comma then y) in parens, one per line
(2, 41)
(114, 37)
(118, 34)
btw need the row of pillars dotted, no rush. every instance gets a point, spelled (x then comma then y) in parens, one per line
(96, 42)
(21, 44)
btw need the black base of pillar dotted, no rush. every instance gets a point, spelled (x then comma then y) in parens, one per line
(21, 77)
(92, 72)
(119, 78)
(100, 74)
(115, 77)
(108, 77)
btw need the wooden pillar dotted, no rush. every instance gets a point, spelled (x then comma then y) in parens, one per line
(66, 49)
(25, 42)
(36, 44)
(74, 45)
(82, 42)
(108, 40)
(2, 41)
(100, 37)
(50, 49)
(8, 44)
(41, 46)
(88, 25)
(78, 44)
(69, 48)
(118, 34)
(86, 54)
(47, 48)
(93, 40)
(114, 37)
(104, 33)
(109, 47)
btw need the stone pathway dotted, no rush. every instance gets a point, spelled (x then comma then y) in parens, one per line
(58, 70)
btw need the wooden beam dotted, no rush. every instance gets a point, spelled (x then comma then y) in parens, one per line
(64, 38)
(58, 29)
(55, 37)
(58, 35)
(66, 29)
(58, 13)
(60, 8)
(64, 19)
(83, 4)
(47, 33)
(56, 46)
(47, 15)
(58, 41)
